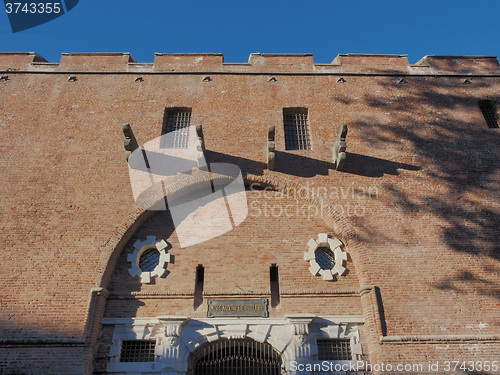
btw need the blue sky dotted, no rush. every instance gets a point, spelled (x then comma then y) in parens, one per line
(238, 28)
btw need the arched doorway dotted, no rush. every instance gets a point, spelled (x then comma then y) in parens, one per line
(235, 357)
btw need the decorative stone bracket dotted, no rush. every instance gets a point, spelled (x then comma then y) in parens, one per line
(130, 142)
(332, 244)
(300, 331)
(300, 326)
(172, 332)
(140, 247)
(339, 148)
(200, 146)
(271, 146)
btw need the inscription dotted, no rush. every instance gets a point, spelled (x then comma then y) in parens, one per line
(237, 308)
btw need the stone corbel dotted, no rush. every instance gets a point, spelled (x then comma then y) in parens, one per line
(271, 147)
(172, 326)
(130, 142)
(300, 332)
(172, 332)
(200, 146)
(339, 148)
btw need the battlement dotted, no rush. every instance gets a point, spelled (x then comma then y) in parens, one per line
(95, 61)
(190, 62)
(368, 63)
(258, 63)
(19, 60)
(460, 64)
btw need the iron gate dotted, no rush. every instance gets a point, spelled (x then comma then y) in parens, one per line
(236, 357)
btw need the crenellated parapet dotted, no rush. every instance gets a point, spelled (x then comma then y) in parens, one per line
(459, 64)
(282, 62)
(188, 62)
(368, 63)
(95, 61)
(12, 61)
(258, 63)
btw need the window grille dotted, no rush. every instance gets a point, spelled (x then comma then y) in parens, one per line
(236, 356)
(334, 349)
(137, 351)
(296, 129)
(149, 259)
(488, 107)
(325, 258)
(176, 121)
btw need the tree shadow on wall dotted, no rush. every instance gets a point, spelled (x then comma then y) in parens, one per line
(286, 162)
(459, 159)
(370, 166)
(462, 280)
(300, 166)
(246, 165)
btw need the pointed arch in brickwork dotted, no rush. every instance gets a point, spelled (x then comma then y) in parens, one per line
(335, 220)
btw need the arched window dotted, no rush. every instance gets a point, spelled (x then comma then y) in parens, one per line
(235, 356)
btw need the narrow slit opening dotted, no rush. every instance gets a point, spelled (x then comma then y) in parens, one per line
(198, 286)
(275, 286)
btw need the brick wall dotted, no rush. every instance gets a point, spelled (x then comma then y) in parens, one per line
(417, 203)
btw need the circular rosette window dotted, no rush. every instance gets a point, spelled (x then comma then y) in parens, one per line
(326, 257)
(149, 259)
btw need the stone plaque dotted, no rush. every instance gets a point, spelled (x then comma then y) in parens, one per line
(237, 308)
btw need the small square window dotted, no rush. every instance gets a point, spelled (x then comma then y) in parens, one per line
(176, 121)
(488, 107)
(137, 351)
(334, 349)
(296, 129)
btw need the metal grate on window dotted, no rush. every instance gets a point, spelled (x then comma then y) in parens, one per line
(176, 121)
(489, 112)
(334, 350)
(149, 259)
(296, 129)
(236, 356)
(325, 258)
(137, 351)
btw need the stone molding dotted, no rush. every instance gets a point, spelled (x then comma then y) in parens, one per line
(293, 337)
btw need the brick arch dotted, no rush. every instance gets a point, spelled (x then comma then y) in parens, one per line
(139, 215)
(331, 216)
(338, 223)
(335, 220)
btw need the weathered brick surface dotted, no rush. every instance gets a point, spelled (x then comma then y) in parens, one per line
(417, 204)
(42, 360)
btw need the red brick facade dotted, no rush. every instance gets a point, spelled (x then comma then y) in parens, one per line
(417, 205)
